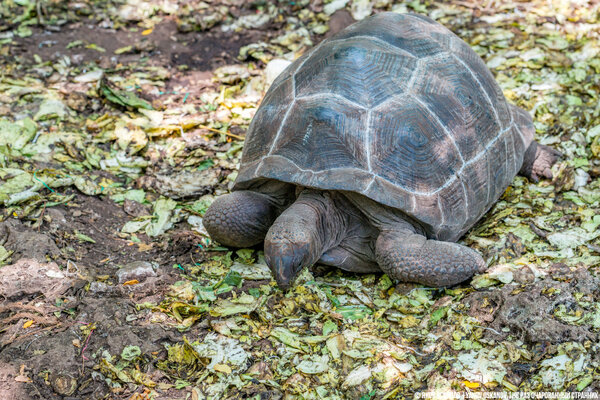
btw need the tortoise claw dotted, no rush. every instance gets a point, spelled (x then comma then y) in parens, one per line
(538, 161)
(545, 158)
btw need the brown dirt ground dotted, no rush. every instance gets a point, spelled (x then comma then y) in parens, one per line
(27, 355)
(45, 359)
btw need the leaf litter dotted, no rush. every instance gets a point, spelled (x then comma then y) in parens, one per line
(140, 145)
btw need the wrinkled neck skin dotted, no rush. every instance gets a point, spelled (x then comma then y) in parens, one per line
(382, 217)
(313, 224)
(279, 194)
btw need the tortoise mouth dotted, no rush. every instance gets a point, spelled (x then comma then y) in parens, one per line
(286, 261)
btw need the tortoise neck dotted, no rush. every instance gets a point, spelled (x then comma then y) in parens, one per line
(382, 217)
(297, 239)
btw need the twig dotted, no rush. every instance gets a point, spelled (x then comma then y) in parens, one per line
(85, 345)
(537, 230)
(27, 334)
(19, 306)
(224, 133)
(410, 348)
(38, 319)
(489, 329)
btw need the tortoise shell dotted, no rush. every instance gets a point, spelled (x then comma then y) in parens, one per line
(399, 109)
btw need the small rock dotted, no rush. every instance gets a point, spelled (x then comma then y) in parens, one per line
(64, 385)
(138, 270)
(524, 275)
(274, 68)
(25, 242)
(261, 371)
(99, 287)
(57, 217)
(28, 277)
(134, 208)
(335, 5)
(338, 21)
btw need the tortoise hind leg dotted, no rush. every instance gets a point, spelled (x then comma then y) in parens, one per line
(409, 257)
(242, 218)
(538, 160)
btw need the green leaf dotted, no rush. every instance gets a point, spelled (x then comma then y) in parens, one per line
(75, 43)
(163, 211)
(242, 305)
(16, 135)
(138, 195)
(205, 293)
(329, 327)
(232, 279)
(314, 364)
(288, 338)
(134, 226)
(584, 382)
(554, 42)
(84, 238)
(385, 283)
(130, 352)
(94, 46)
(122, 98)
(574, 100)
(4, 255)
(201, 205)
(354, 312)
(369, 395)
(180, 384)
(255, 292)
(258, 271)
(438, 314)
(51, 108)
(122, 50)
(206, 164)
(245, 255)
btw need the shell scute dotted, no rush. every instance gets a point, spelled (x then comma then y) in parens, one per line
(360, 71)
(327, 128)
(407, 145)
(408, 34)
(451, 94)
(271, 113)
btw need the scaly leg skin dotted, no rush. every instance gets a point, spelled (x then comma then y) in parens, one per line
(240, 219)
(409, 257)
(538, 161)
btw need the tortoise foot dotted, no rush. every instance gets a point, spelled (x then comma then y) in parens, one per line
(240, 219)
(538, 161)
(409, 257)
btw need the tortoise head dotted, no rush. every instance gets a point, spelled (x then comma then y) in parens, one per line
(290, 245)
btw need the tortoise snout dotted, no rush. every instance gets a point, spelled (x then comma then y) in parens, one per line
(285, 260)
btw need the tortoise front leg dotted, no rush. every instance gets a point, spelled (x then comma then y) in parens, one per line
(409, 257)
(538, 161)
(242, 218)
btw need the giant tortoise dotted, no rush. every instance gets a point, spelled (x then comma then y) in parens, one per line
(377, 150)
